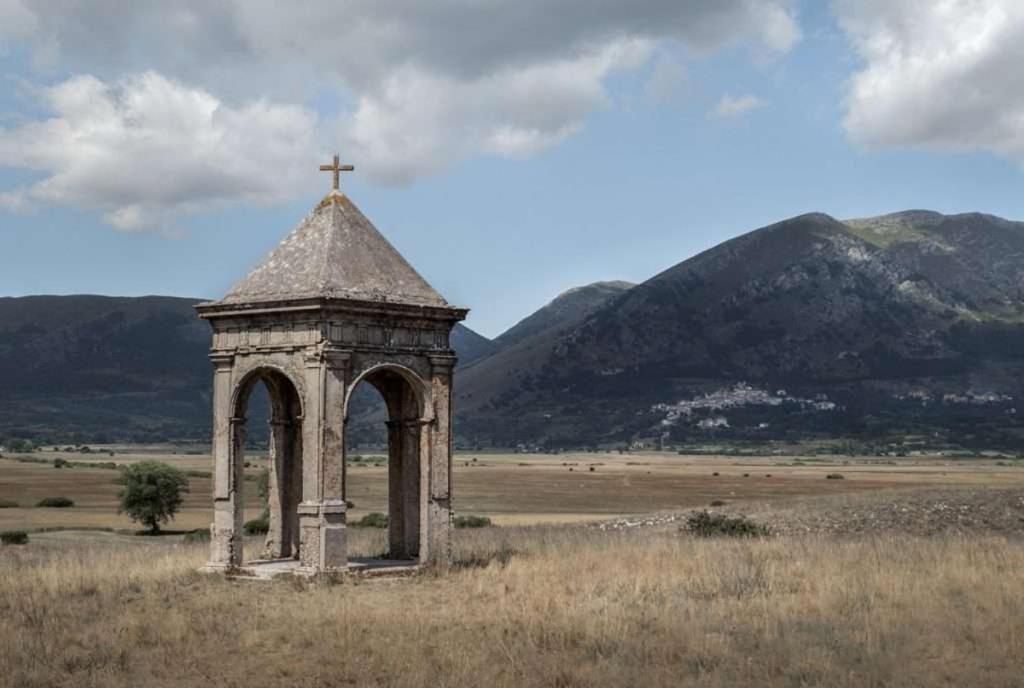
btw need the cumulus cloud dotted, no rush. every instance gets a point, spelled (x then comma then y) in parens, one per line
(734, 106)
(147, 148)
(419, 84)
(937, 75)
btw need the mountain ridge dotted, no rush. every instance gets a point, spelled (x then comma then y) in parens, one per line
(907, 323)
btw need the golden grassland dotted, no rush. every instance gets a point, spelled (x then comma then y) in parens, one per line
(512, 489)
(522, 607)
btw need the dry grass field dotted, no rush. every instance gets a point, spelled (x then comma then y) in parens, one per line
(541, 606)
(907, 574)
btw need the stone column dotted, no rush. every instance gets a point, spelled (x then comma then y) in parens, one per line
(228, 438)
(278, 543)
(435, 546)
(309, 508)
(411, 480)
(396, 503)
(333, 529)
(322, 512)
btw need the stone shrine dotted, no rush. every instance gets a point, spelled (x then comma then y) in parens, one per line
(333, 306)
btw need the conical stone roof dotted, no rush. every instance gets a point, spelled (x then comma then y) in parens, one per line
(335, 252)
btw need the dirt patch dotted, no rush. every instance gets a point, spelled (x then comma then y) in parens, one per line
(920, 512)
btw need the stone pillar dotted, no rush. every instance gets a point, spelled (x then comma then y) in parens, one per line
(333, 529)
(322, 512)
(228, 439)
(435, 545)
(411, 481)
(404, 494)
(278, 542)
(396, 504)
(309, 509)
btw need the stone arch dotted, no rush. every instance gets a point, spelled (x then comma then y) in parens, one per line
(410, 414)
(380, 370)
(285, 467)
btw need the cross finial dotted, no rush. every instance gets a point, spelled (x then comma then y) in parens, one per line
(337, 169)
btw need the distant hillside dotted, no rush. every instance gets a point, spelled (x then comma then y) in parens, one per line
(860, 313)
(906, 328)
(99, 368)
(564, 311)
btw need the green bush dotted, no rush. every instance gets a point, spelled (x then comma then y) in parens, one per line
(14, 537)
(472, 521)
(704, 524)
(200, 535)
(374, 519)
(835, 476)
(8, 504)
(60, 463)
(55, 502)
(257, 526)
(152, 492)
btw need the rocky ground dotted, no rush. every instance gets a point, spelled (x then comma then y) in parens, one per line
(924, 512)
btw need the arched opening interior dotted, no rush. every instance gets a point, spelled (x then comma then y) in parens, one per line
(392, 418)
(269, 394)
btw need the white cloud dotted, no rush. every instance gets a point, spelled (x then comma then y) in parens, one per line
(735, 106)
(418, 121)
(145, 149)
(420, 85)
(937, 75)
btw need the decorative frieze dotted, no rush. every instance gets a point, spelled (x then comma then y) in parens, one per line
(341, 333)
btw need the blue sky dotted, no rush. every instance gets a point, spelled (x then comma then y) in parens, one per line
(509, 201)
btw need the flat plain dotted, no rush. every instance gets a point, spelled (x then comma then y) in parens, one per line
(511, 489)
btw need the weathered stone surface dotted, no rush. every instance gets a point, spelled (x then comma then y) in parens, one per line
(332, 307)
(335, 253)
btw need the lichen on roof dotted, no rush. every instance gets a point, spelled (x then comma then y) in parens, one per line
(335, 252)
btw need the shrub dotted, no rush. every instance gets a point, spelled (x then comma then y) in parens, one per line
(704, 524)
(718, 502)
(55, 502)
(469, 521)
(8, 504)
(835, 476)
(257, 526)
(373, 519)
(14, 537)
(200, 535)
(152, 492)
(60, 463)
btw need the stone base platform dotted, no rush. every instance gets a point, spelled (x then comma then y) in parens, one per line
(268, 569)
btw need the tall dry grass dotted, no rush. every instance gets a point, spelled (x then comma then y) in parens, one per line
(531, 607)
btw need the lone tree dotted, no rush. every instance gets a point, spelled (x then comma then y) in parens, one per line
(152, 493)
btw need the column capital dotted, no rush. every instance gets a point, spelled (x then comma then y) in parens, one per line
(409, 423)
(222, 361)
(442, 364)
(335, 357)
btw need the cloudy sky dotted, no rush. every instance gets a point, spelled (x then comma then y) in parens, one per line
(510, 149)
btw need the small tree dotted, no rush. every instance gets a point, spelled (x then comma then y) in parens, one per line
(152, 492)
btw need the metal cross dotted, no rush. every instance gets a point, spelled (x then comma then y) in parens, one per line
(336, 168)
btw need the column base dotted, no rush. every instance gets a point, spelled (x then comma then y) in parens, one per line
(324, 535)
